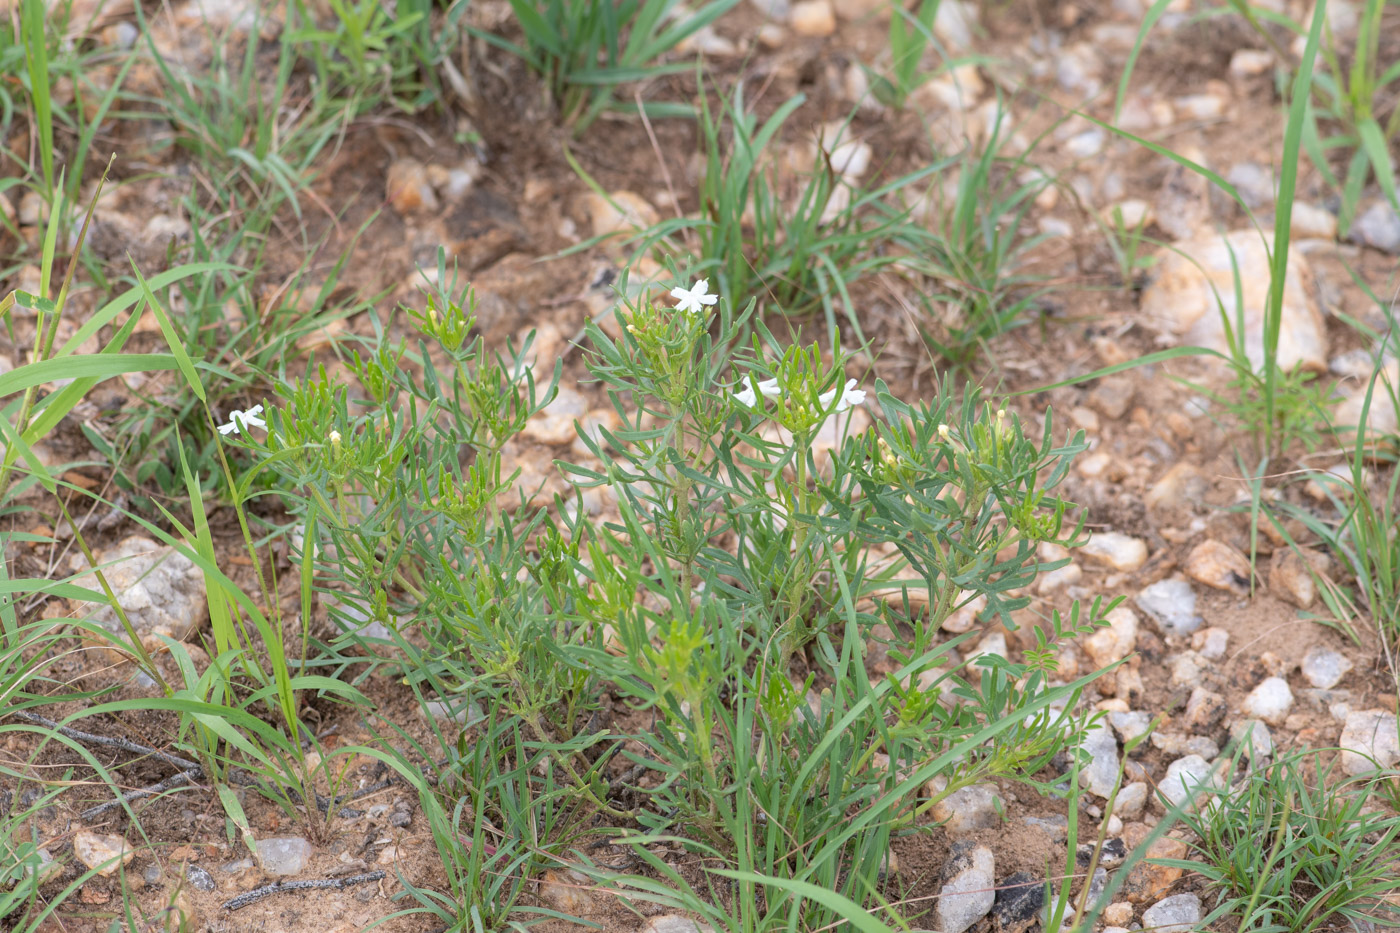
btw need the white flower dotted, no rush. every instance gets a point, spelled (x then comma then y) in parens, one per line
(691, 299)
(768, 388)
(335, 437)
(943, 433)
(239, 420)
(850, 395)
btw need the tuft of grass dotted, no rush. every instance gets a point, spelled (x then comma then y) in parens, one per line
(1291, 848)
(586, 49)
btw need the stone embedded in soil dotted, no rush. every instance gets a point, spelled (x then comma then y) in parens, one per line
(1369, 741)
(1378, 227)
(1131, 799)
(1118, 914)
(462, 713)
(1059, 579)
(1176, 914)
(1218, 565)
(567, 891)
(1185, 670)
(1181, 488)
(1382, 417)
(1172, 602)
(1101, 772)
(1270, 701)
(675, 923)
(160, 589)
(1254, 183)
(1119, 551)
(969, 889)
(1173, 743)
(1291, 578)
(1148, 879)
(1325, 668)
(1204, 710)
(283, 855)
(1210, 643)
(1256, 738)
(992, 645)
(1019, 898)
(617, 212)
(199, 878)
(105, 853)
(1310, 222)
(407, 188)
(1185, 779)
(1184, 304)
(1131, 724)
(964, 617)
(970, 809)
(812, 18)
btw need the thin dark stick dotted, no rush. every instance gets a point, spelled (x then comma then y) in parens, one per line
(181, 763)
(184, 777)
(257, 894)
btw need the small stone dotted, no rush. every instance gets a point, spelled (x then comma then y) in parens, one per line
(161, 590)
(1325, 668)
(1218, 565)
(964, 617)
(567, 891)
(1186, 672)
(1065, 576)
(1132, 214)
(1378, 227)
(1185, 779)
(1148, 880)
(1118, 914)
(772, 36)
(620, 212)
(969, 890)
(1204, 710)
(1192, 280)
(1247, 63)
(675, 923)
(1310, 222)
(1119, 551)
(1176, 914)
(1256, 738)
(1206, 106)
(1270, 701)
(1131, 799)
(954, 23)
(1019, 898)
(200, 878)
(1369, 741)
(1113, 396)
(1130, 725)
(107, 854)
(1101, 772)
(849, 156)
(463, 714)
(409, 189)
(283, 855)
(1254, 184)
(1086, 144)
(994, 644)
(1181, 488)
(1178, 745)
(812, 18)
(1210, 643)
(970, 809)
(1291, 578)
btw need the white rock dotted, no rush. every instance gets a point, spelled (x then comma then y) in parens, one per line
(1325, 668)
(1115, 642)
(1369, 741)
(1258, 741)
(160, 589)
(1119, 551)
(1378, 227)
(954, 23)
(1185, 779)
(1270, 701)
(283, 855)
(1246, 63)
(1099, 774)
(1172, 602)
(1310, 222)
(970, 890)
(812, 18)
(1131, 799)
(1179, 913)
(970, 809)
(1210, 643)
(107, 854)
(1185, 305)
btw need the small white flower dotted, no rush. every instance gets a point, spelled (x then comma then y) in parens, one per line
(691, 299)
(335, 437)
(850, 396)
(943, 432)
(239, 420)
(768, 388)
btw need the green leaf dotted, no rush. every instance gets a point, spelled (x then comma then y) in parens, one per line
(172, 339)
